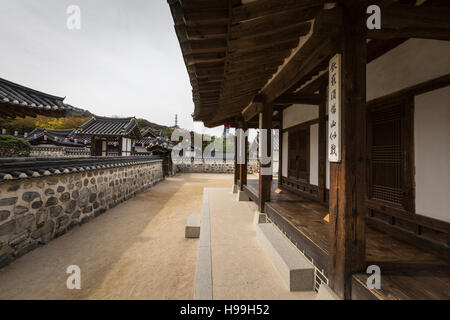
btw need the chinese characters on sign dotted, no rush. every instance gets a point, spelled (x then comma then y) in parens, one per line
(334, 109)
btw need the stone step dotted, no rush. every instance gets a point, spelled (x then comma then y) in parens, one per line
(296, 272)
(192, 229)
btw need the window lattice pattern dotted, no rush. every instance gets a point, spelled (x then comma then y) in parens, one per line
(387, 156)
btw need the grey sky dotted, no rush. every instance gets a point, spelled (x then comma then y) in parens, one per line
(124, 61)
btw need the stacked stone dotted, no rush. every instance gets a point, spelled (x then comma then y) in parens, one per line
(216, 167)
(35, 211)
(59, 152)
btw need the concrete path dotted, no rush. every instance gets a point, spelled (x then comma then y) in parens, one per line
(136, 250)
(240, 267)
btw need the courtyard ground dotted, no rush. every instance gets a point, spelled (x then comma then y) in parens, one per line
(136, 250)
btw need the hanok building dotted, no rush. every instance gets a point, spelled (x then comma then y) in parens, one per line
(162, 147)
(364, 116)
(20, 101)
(66, 138)
(148, 136)
(110, 136)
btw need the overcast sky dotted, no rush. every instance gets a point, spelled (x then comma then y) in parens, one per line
(124, 61)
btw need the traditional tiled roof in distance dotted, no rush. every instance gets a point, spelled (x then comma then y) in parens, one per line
(17, 100)
(57, 137)
(110, 127)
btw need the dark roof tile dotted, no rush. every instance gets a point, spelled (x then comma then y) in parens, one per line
(16, 100)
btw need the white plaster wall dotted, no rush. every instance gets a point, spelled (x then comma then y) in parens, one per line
(299, 113)
(284, 168)
(314, 154)
(412, 62)
(432, 154)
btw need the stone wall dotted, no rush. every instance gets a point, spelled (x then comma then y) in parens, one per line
(59, 151)
(34, 211)
(212, 166)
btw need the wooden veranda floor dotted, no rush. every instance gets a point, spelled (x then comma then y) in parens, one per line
(407, 272)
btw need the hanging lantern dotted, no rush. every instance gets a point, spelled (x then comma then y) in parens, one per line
(3, 131)
(134, 144)
(25, 135)
(56, 138)
(75, 140)
(115, 144)
(45, 138)
(35, 136)
(85, 141)
(143, 145)
(66, 140)
(16, 133)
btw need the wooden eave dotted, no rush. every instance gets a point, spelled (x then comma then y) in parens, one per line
(241, 55)
(232, 49)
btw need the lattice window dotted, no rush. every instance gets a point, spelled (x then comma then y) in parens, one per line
(298, 154)
(387, 165)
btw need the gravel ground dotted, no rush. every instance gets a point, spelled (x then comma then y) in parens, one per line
(136, 250)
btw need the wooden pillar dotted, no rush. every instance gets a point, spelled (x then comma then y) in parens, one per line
(265, 181)
(347, 178)
(280, 150)
(236, 166)
(243, 166)
(93, 146)
(322, 144)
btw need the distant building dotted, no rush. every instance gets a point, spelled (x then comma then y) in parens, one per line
(110, 136)
(49, 137)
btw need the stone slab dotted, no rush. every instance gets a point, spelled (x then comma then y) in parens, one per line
(259, 218)
(203, 289)
(192, 229)
(242, 196)
(297, 272)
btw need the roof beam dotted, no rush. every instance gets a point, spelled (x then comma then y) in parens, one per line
(298, 98)
(272, 23)
(204, 46)
(269, 40)
(315, 50)
(260, 8)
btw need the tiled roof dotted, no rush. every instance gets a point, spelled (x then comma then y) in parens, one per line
(57, 137)
(153, 143)
(153, 133)
(149, 132)
(104, 126)
(17, 100)
(12, 169)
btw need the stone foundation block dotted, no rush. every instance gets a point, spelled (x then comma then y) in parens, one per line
(297, 273)
(259, 218)
(242, 196)
(192, 229)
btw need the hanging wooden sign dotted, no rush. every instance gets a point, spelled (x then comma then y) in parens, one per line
(334, 109)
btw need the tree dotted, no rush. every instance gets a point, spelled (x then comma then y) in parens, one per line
(11, 146)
